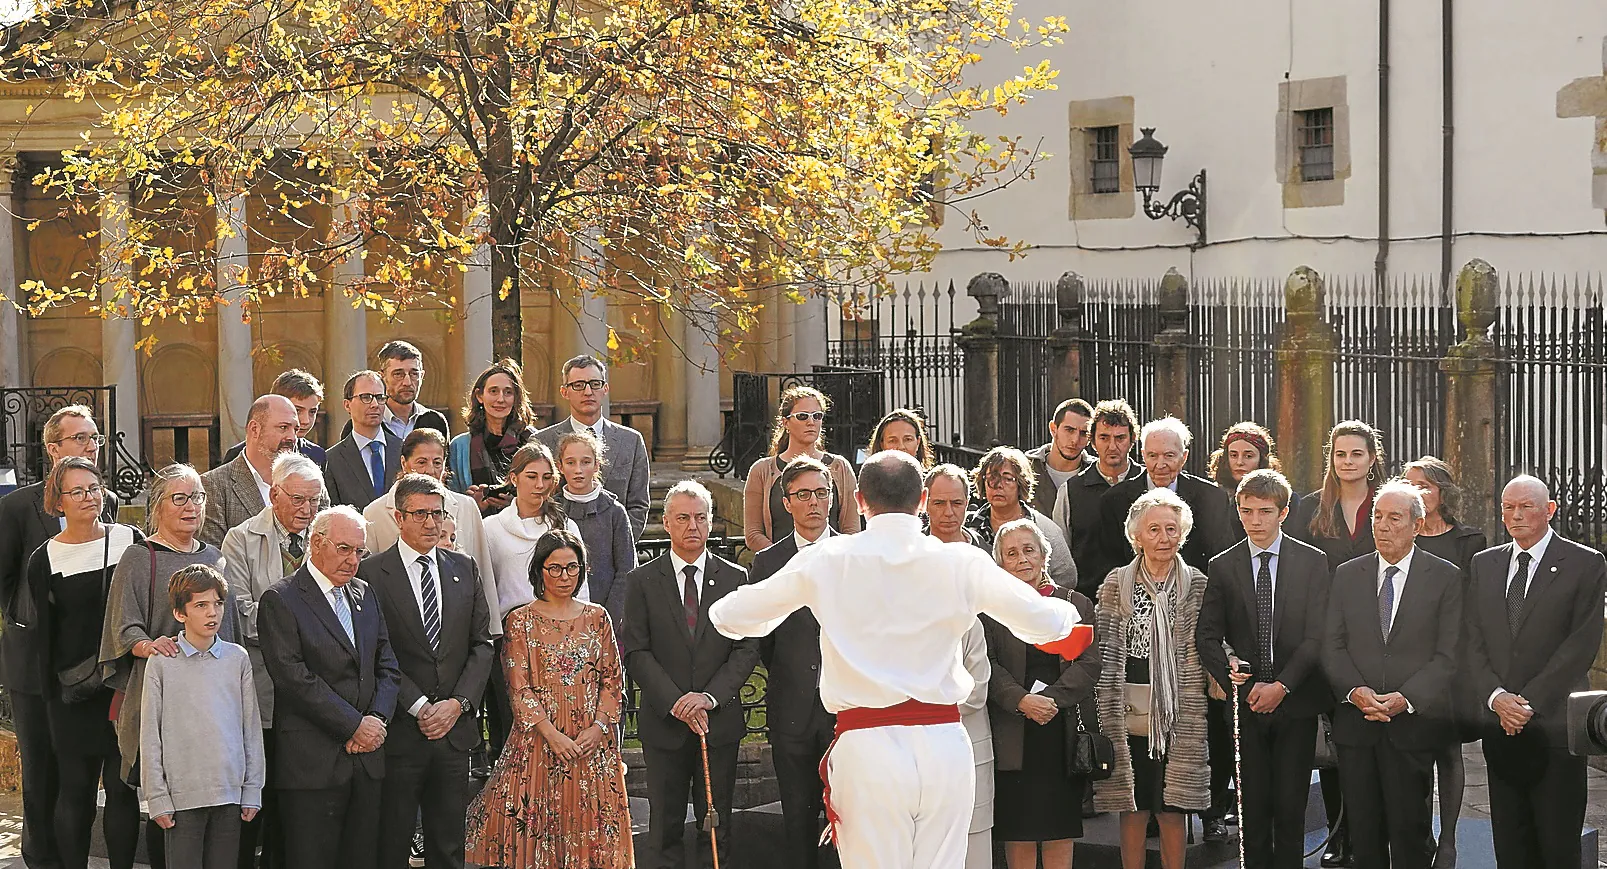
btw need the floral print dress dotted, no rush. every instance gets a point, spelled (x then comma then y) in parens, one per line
(537, 811)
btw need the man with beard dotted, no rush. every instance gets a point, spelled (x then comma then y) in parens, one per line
(1062, 458)
(1114, 428)
(238, 490)
(307, 394)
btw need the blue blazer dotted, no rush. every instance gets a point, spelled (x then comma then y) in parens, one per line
(323, 686)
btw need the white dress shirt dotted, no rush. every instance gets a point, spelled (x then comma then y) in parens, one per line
(596, 428)
(1149, 484)
(262, 485)
(362, 451)
(893, 606)
(1405, 566)
(415, 581)
(681, 579)
(328, 589)
(801, 541)
(1537, 551)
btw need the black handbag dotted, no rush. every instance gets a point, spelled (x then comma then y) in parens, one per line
(83, 680)
(1092, 755)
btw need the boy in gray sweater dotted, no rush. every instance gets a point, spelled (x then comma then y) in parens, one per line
(201, 760)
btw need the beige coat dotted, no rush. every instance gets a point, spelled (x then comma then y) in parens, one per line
(756, 523)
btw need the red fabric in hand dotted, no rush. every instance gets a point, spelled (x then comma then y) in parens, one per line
(1075, 643)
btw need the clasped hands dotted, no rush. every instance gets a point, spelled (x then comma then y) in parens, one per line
(570, 750)
(1264, 697)
(1513, 711)
(1038, 709)
(1378, 707)
(693, 709)
(370, 736)
(437, 719)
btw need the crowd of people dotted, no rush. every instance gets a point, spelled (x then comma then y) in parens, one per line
(294, 660)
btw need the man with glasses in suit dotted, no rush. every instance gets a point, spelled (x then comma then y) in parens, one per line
(363, 465)
(625, 473)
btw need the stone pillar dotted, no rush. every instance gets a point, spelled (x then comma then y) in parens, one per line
(591, 321)
(1305, 360)
(1171, 350)
(809, 332)
(345, 321)
(979, 340)
(476, 323)
(669, 385)
(1065, 344)
(118, 334)
(234, 330)
(703, 418)
(1470, 370)
(11, 330)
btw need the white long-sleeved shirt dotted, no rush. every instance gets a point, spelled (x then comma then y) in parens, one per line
(893, 606)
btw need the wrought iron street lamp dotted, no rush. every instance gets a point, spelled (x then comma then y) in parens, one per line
(1188, 204)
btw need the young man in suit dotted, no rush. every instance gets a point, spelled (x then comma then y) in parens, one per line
(440, 630)
(238, 489)
(800, 727)
(625, 474)
(1114, 431)
(335, 682)
(24, 527)
(689, 675)
(307, 394)
(1534, 625)
(363, 465)
(1390, 647)
(1267, 599)
(401, 366)
(1165, 448)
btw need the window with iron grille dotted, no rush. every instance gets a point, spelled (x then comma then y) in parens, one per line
(1316, 131)
(1105, 174)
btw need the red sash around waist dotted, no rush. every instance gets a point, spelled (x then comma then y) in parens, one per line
(910, 713)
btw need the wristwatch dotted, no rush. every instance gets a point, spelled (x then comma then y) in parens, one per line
(467, 707)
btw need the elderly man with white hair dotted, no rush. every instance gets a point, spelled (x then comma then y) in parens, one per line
(1390, 653)
(258, 553)
(1534, 623)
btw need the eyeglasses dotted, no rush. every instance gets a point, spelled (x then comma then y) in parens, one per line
(1002, 479)
(370, 397)
(179, 499)
(425, 515)
(557, 570)
(807, 495)
(807, 415)
(82, 493)
(299, 501)
(85, 439)
(585, 385)
(346, 551)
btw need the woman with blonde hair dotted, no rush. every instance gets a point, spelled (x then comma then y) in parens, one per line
(1151, 688)
(799, 430)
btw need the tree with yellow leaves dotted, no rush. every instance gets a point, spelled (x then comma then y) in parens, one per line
(726, 145)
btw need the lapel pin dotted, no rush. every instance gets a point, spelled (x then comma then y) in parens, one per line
(1553, 568)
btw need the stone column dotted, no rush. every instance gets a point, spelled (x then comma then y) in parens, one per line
(1470, 370)
(118, 334)
(11, 329)
(476, 323)
(591, 321)
(1305, 360)
(702, 365)
(669, 385)
(234, 331)
(809, 332)
(979, 341)
(1170, 348)
(1065, 344)
(345, 320)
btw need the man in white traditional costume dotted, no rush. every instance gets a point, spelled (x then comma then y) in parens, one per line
(893, 606)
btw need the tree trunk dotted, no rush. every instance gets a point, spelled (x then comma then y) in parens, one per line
(507, 235)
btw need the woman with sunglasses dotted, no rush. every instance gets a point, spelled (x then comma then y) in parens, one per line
(799, 430)
(64, 605)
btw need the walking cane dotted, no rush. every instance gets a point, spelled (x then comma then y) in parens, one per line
(711, 818)
(1238, 767)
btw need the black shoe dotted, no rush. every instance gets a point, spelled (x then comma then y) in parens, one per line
(1216, 830)
(1338, 853)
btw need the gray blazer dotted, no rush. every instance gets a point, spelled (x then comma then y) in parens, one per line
(251, 566)
(625, 473)
(232, 497)
(346, 471)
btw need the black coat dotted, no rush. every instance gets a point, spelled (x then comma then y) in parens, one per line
(667, 661)
(1084, 533)
(346, 476)
(1209, 537)
(1419, 660)
(1558, 636)
(1007, 684)
(461, 663)
(791, 655)
(427, 418)
(1457, 546)
(322, 686)
(1299, 616)
(24, 527)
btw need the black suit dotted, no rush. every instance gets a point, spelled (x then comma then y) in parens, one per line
(24, 527)
(427, 418)
(1276, 748)
(420, 771)
(1537, 789)
(346, 474)
(1385, 768)
(800, 727)
(323, 688)
(1084, 533)
(667, 661)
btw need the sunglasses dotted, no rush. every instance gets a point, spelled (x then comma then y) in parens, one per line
(807, 415)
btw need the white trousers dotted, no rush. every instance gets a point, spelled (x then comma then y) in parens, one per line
(903, 796)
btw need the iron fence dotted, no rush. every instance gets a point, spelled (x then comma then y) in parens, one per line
(23, 413)
(1026, 320)
(908, 334)
(857, 402)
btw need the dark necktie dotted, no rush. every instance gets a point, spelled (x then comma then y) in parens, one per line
(294, 547)
(376, 467)
(1386, 600)
(1263, 615)
(432, 608)
(1516, 589)
(690, 572)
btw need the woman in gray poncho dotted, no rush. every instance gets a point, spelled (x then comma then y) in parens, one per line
(139, 622)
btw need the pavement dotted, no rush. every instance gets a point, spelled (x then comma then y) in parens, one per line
(1473, 833)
